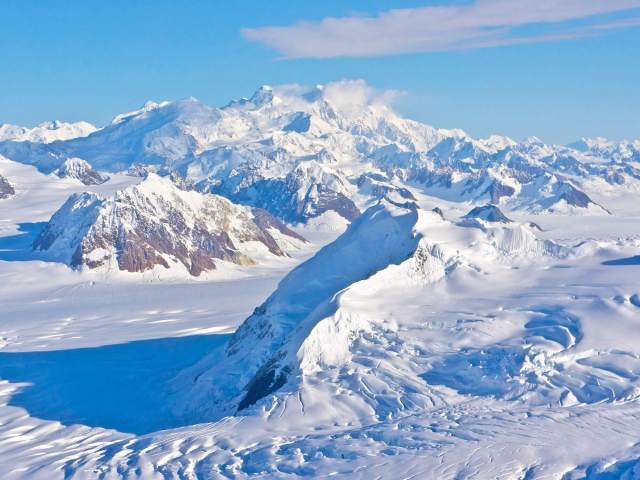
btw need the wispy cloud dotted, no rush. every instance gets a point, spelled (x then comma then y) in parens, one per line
(483, 23)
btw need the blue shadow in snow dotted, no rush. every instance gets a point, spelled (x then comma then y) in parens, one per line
(124, 386)
(623, 261)
(15, 248)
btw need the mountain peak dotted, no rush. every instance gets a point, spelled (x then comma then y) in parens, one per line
(532, 140)
(587, 144)
(155, 225)
(488, 213)
(46, 132)
(148, 106)
(81, 170)
(262, 95)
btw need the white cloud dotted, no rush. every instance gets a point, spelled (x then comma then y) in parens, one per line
(347, 95)
(484, 23)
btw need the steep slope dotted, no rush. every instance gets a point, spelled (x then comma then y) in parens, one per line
(82, 171)
(309, 287)
(157, 224)
(312, 327)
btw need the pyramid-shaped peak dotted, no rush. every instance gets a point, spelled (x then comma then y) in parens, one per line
(488, 213)
(262, 95)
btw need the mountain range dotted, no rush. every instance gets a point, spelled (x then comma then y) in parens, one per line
(303, 283)
(299, 153)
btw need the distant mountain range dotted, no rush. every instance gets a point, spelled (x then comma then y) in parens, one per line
(46, 132)
(299, 153)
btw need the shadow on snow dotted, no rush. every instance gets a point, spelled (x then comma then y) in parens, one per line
(623, 261)
(18, 247)
(123, 387)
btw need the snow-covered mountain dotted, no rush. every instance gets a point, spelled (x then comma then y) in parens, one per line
(318, 325)
(46, 132)
(488, 213)
(441, 335)
(156, 224)
(339, 147)
(82, 171)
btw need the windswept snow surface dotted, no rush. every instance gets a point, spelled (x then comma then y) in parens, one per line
(463, 309)
(413, 346)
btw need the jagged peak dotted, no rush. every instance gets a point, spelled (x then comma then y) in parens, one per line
(488, 213)
(156, 224)
(262, 95)
(81, 170)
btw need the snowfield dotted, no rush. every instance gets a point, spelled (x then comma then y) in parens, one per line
(460, 308)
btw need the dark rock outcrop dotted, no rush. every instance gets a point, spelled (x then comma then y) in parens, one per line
(81, 170)
(6, 189)
(157, 224)
(488, 213)
(498, 190)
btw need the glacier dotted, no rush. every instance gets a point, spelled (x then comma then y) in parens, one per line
(302, 283)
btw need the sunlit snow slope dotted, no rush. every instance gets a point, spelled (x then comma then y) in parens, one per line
(460, 309)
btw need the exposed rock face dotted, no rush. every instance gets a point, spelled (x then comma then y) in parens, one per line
(307, 192)
(439, 212)
(379, 186)
(157, 224)
(498, 190)
(575, 197)
(6, 189)
(488, 213)
(81, 170)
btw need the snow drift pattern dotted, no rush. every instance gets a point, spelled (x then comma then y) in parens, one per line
(310, 325)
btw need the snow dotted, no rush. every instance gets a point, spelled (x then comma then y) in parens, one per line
(155, 223)
(466, 423)
(81, 171)
(285, 140)
(46, 132)
(403, 344)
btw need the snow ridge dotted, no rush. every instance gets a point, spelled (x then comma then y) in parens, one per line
(316, 319)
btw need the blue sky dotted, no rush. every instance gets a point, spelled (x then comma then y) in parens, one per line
(557, 69)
